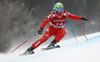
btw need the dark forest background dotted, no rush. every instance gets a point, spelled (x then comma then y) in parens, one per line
(20, 19)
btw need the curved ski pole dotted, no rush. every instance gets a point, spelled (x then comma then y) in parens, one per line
(23, 43)
(84, 30)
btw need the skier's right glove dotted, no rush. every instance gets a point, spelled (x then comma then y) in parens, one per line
(84, 18)
(40, 31)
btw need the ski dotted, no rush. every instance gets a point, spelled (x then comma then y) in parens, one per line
(23, 54)
(26, 53)
(43, 49)
(48, 48)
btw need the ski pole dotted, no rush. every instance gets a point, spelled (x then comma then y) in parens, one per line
(23, 43)
(53, 3)
(84, 30)
(71, 31)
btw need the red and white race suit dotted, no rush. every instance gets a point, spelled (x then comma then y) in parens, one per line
(56, 26)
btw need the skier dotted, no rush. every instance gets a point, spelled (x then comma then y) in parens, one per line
(57, 20)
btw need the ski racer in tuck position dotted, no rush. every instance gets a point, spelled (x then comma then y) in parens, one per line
(57, 20)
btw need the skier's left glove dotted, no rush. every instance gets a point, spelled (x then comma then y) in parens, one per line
(40, 31)
(84, 18)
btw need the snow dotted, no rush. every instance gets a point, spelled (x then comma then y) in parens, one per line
(70, 51)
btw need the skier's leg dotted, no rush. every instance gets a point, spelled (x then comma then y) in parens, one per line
(37, 43)
(49, 32)
(42, 40)
(60, 34)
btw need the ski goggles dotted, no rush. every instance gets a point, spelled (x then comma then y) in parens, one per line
(60, 9)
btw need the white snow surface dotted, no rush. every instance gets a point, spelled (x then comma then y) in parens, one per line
(70, 51)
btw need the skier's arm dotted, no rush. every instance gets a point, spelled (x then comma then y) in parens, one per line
(47, 19)
(40, 31)
(75, 17)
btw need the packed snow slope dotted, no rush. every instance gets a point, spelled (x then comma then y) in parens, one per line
(70, 51)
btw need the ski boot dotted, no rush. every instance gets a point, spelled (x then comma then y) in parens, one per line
(52, 44)
(29, 51)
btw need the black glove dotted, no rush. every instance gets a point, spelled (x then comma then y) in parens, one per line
(40, 31)
(84, 18)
